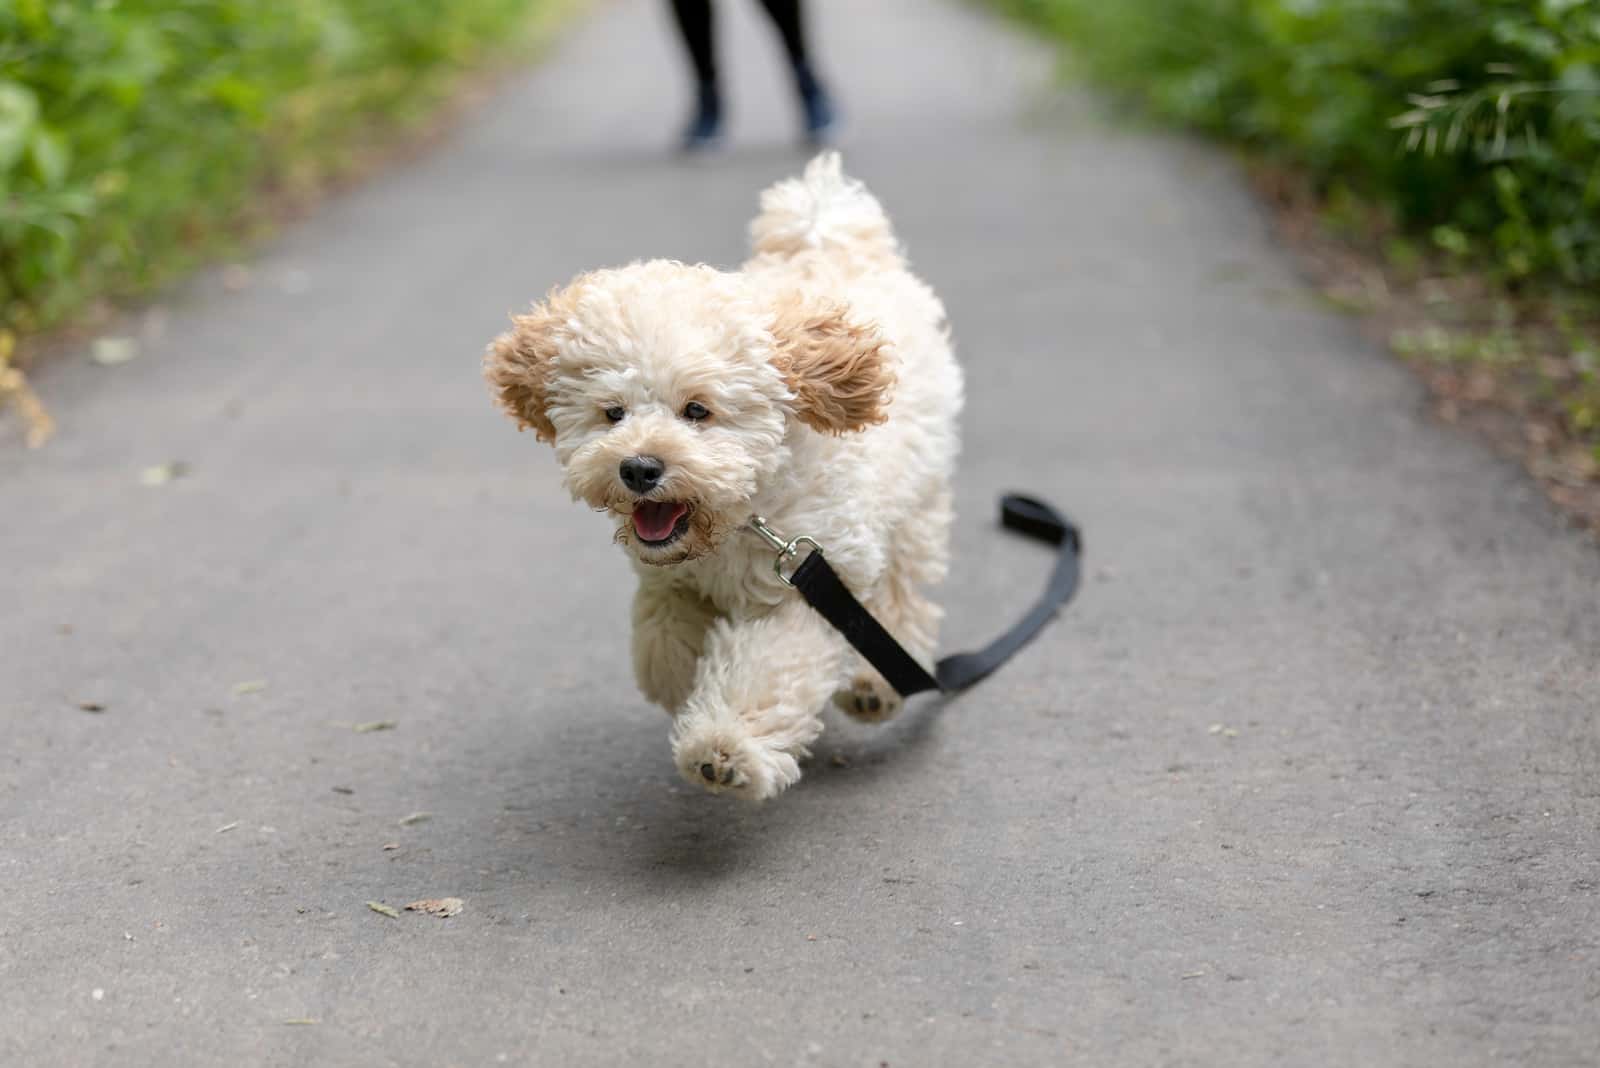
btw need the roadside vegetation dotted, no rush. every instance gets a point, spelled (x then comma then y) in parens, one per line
(1438, 159)
(138, 137)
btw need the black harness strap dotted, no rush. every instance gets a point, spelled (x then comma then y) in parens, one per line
(820, 585)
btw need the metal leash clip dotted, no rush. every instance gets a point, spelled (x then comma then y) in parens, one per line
(787, 550)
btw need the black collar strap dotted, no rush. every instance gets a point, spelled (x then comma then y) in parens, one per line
(820, 585)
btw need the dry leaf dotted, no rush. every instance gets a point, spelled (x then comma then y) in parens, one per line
(375, 725)
(253, 686)
(415, 817)
(380, 907)
(14, 385)
(161, 474)
(389, 846)
(91, 706)
(302, 1021)
(443, 907)
(110, 351)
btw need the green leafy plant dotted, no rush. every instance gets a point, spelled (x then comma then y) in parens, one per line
(1477, 121)
(134, 133)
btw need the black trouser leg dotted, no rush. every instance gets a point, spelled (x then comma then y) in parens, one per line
(694, 23)
(694, 18)
(785, 15)
(788, 17)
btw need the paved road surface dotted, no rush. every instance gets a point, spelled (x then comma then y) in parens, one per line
(1309, 774)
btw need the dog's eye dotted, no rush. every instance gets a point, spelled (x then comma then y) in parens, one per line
(615, 413)
(694, 411)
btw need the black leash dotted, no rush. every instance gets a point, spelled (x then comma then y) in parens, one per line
(820, 585)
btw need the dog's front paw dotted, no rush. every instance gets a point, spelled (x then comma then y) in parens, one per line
(869, 698)
(724, 760)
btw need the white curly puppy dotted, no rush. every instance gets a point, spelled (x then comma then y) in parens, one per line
(815, 387)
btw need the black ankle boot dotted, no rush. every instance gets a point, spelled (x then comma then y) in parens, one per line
(821, 119)
(705, 125)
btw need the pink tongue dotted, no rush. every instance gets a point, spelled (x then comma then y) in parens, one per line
(654, 520)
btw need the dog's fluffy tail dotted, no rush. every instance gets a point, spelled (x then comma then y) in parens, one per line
(824, 209)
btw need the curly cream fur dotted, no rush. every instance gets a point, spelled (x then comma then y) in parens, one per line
(833, 395)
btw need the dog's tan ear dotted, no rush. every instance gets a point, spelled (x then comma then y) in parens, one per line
(518, 365)
(838, 370)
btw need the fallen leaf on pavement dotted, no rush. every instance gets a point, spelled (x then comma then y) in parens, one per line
(380, 907)
(443, 907)
(14, 386)
(110, 351)
(91, 706)
(303, 1021)
(375, 725)
(161, 474)
(415, 817)
(253, 686)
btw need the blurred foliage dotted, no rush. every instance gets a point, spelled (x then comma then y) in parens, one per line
(1475, 122)
(133, 133)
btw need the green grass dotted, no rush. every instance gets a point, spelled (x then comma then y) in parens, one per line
(135, 135)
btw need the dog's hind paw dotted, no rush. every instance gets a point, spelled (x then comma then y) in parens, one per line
(869, 699)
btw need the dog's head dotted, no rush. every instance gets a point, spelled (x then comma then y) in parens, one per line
(669, 393)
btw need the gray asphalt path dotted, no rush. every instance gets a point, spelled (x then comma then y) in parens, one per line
(1308, 776)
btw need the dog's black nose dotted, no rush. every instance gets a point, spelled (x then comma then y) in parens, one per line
(641, 473)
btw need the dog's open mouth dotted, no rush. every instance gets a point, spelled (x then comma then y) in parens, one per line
(660, 523)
